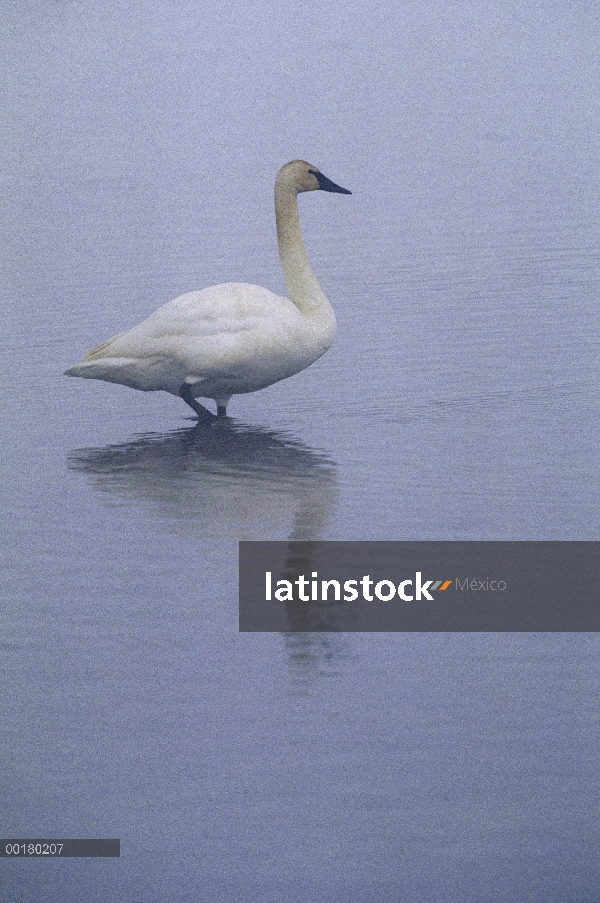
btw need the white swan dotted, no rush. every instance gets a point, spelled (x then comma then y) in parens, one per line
(231, 338)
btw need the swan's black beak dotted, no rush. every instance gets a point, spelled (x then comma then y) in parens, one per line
(327, 185)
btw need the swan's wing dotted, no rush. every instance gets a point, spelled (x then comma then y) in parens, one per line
(226, 308)
(196, 334)
(217, 311)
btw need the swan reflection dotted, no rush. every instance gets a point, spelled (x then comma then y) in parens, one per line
(222, 482)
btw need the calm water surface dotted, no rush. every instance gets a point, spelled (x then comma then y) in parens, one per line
(459, 401)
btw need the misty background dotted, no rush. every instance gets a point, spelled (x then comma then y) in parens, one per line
(141, 141)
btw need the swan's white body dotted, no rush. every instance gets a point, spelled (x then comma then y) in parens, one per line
(231, 338)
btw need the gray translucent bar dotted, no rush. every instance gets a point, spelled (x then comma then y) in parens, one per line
(419, 586)
(19, 848)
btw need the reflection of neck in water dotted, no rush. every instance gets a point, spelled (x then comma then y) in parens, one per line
(309, 614)
(312, 649)
(228, 483)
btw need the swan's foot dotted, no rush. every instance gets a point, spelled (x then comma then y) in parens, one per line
(203, 413)
(221, 411)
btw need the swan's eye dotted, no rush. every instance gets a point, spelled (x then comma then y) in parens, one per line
(312, 172)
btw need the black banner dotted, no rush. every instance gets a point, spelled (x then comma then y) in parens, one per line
(419, 586)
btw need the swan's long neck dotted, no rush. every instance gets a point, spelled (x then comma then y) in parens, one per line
(302, 283)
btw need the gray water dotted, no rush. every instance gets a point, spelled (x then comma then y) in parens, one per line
(459, 401)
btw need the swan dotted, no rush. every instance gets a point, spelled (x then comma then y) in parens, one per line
(231, 338)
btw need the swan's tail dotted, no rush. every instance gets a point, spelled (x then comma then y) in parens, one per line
(97, 364)
(111, 370)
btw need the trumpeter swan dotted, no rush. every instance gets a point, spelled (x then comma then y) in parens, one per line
(231, 338)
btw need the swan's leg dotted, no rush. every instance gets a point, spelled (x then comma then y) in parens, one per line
(221, 410)
(203, 413)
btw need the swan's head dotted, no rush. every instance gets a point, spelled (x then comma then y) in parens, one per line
(302, 176)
